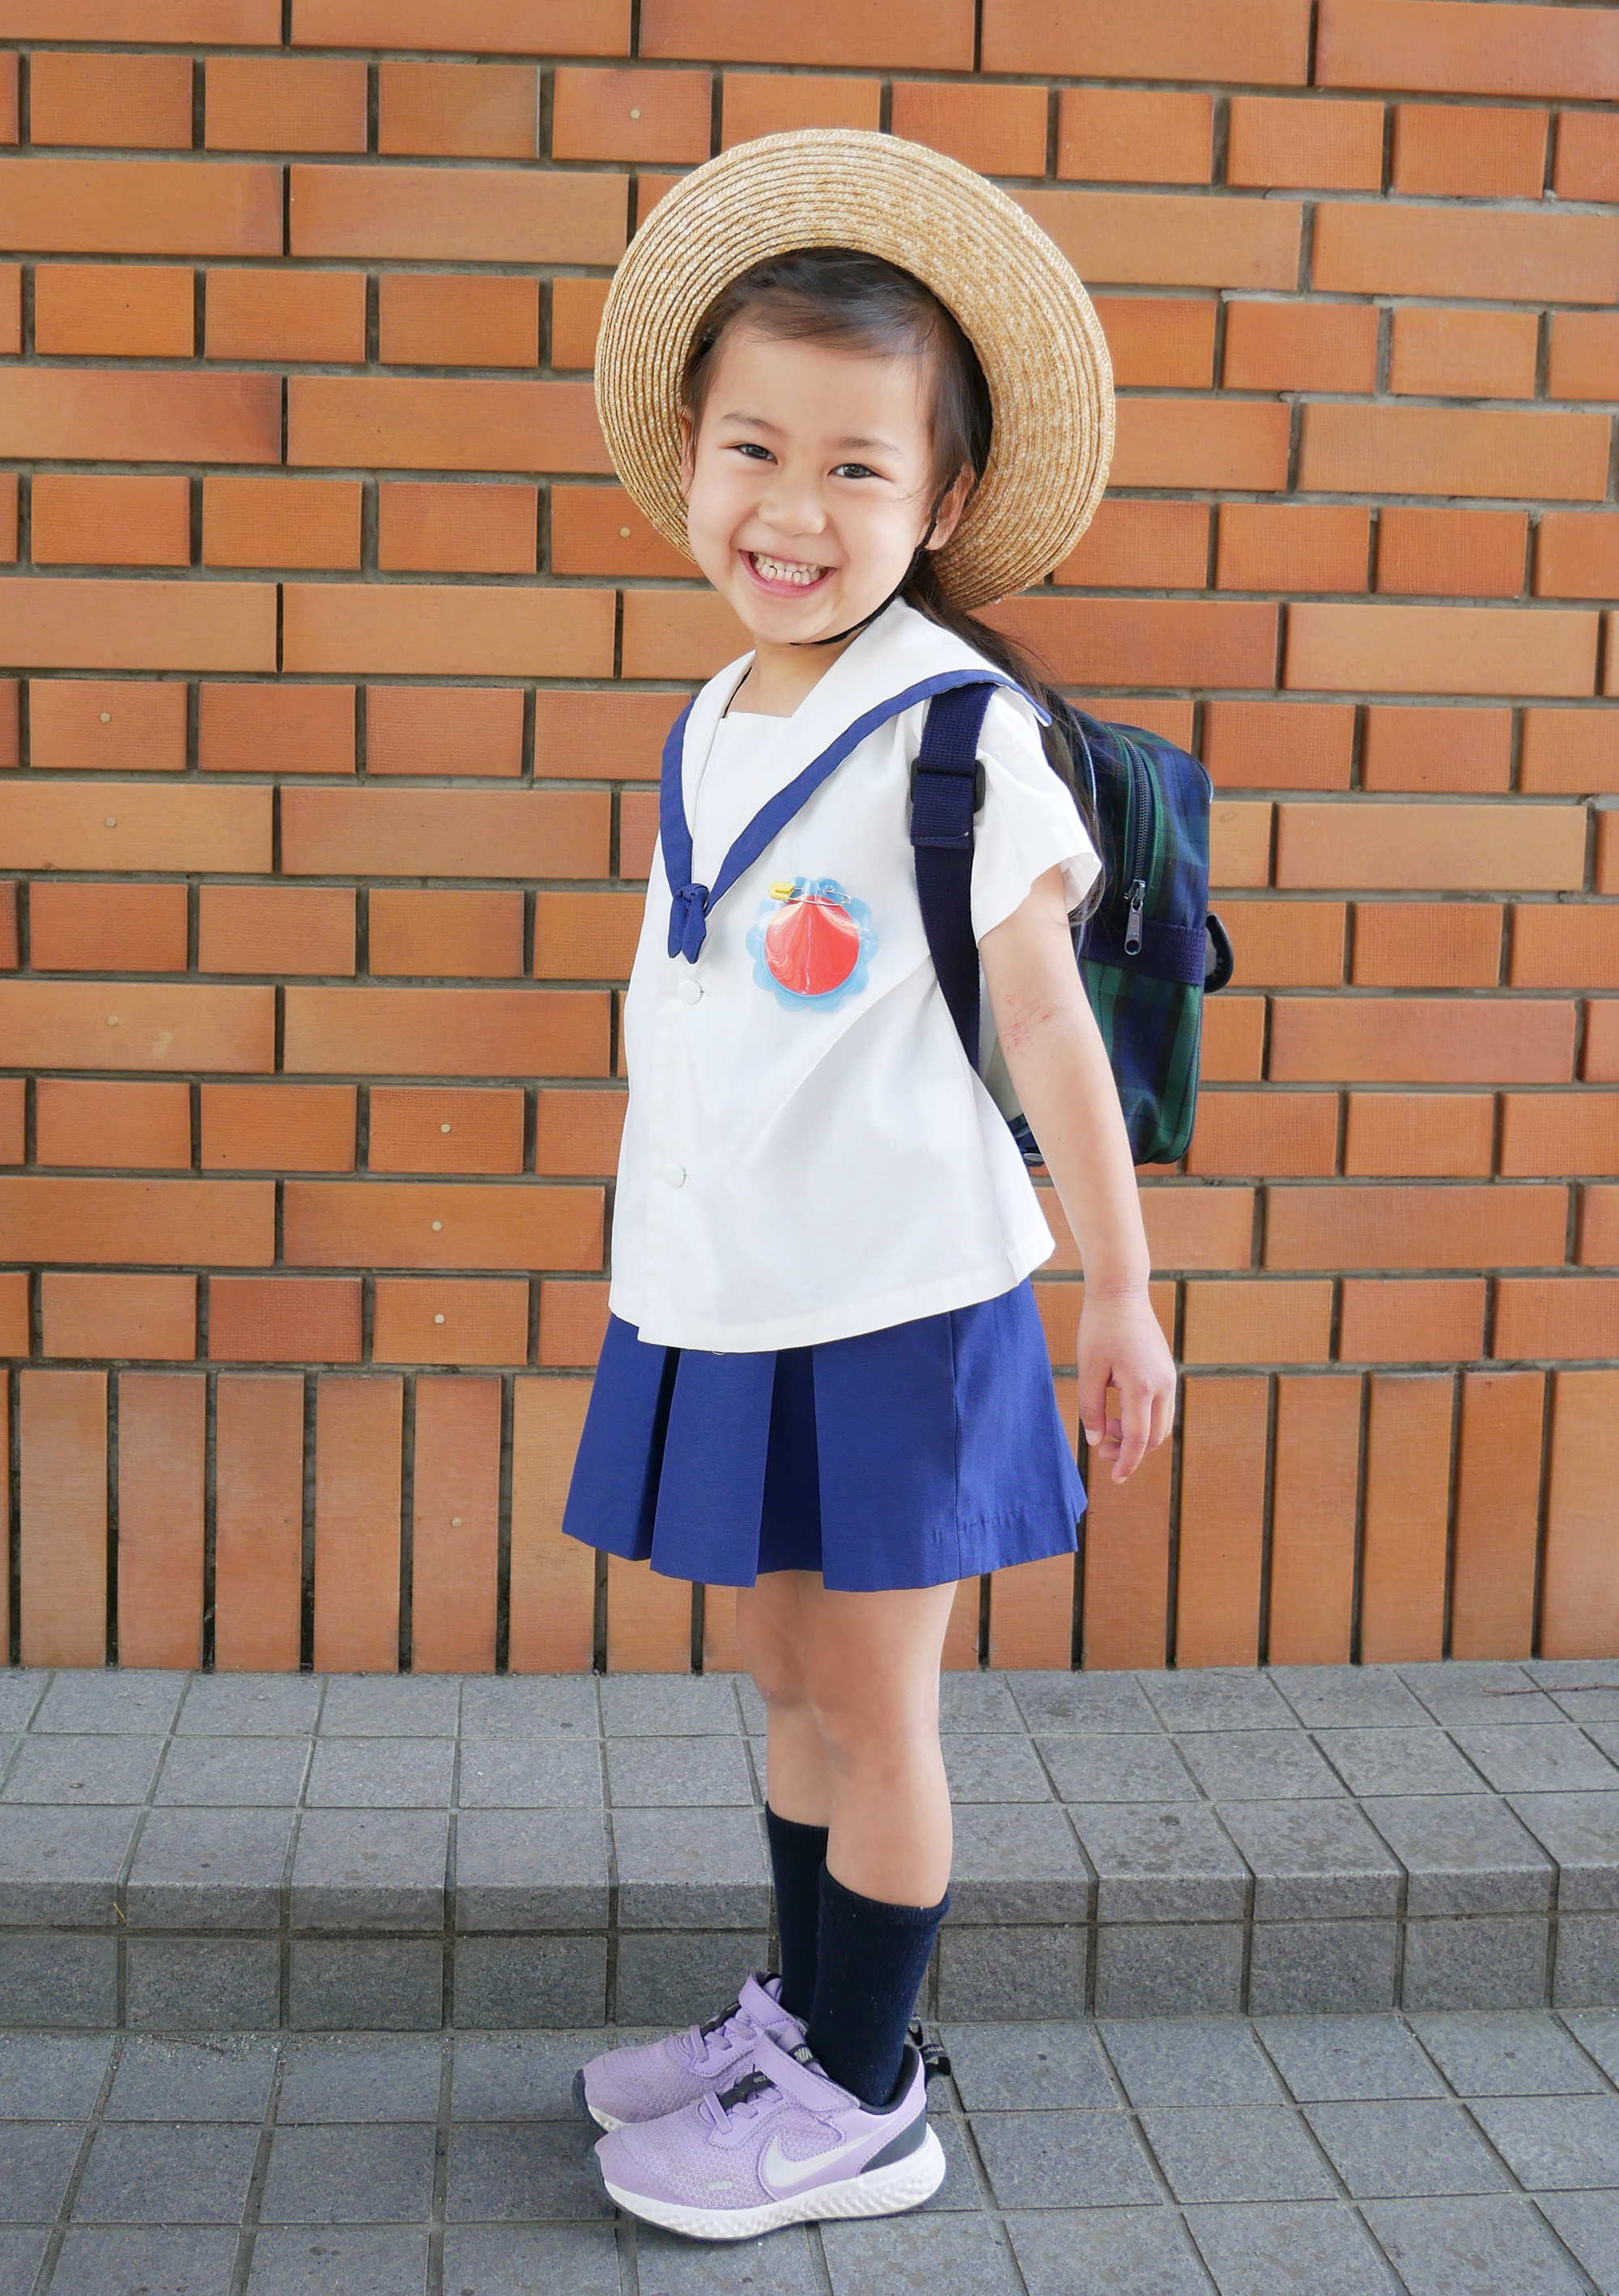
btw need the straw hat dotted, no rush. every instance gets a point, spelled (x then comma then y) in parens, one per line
(1016, 297)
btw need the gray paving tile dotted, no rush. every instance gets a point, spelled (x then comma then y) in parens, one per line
(373, 1774)
(35, 2160)
(203, 1985)
(1162, 1863)
(690, 1869)
(145, 2262)
(531, 1869)
(1313, 1860)
(21, 2250)
(370, 1869)
(1586, 1969)
(225, 2078)
(523, 2172)
(1487, 1692)
(373, 2176)
(249, 1773)
(338, 2261)
(1556, 2143)
(120, 1699)
(1592, 1705)
(542, 2260)
(1508, 2053)
(21, 1688)
(915, 2256)
(8, 1747)
(1471, 2248)
(390, 1706)
(502, 1982)
(60, 1866)
(1346, 1697)
(679, 1773)
(529, 1706)
(250, 1706)
(1476, 1963)
(530, 1774)
(1188, 2060)
(51, 2077)
(754, 1719)
(167, 2176)
(667, 2265)
(1024, 2067)
(1017, 1973)
(1338, 2059)
(1581, 1832)
(1259, 1765)
(1590, 2223)
(1168, 1969)
(1300, 1967)
(527, 2076)
(1051, 1702)
(359, 1984)
(1404, 2150)
(682, 1977)
(1237, 2152)
(669, 1705)
(1540, 1758)
(1559, 1674)
(959, 2190)
(1058, 2160)
(1107, 2252)
(969, 1700)
(1597, 2030)
(1017, 1864)
(1297, 2244)
(53, 1979)
(1128, 1765)
(1417, 1761)
(346, 2078)
(1217, 1698)
(992, 1766)
(1463, 1854)
(71, 1772)
(210, 1869)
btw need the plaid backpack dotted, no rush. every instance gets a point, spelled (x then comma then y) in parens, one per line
(1149, 952)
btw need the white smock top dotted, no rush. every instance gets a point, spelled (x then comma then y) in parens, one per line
(797, 1168)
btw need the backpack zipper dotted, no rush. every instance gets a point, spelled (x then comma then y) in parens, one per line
(1141, 843)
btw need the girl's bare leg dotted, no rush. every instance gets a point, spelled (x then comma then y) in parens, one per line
(851, 1684)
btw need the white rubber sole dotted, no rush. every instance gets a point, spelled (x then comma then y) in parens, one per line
(885, 2193)
(602, 2119)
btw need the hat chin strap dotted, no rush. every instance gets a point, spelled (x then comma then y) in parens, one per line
(915, 560)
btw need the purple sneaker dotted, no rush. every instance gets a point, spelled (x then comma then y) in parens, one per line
(784, 2144)
(645, 2083)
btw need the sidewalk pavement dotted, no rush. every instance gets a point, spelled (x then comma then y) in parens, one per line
(237, 1852)
(1458, 2154)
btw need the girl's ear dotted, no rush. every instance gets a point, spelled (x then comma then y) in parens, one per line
(687, 451)
(952, 506)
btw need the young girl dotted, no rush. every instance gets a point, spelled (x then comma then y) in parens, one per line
(864, 393)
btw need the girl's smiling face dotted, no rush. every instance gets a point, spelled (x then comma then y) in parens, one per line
(809, 484)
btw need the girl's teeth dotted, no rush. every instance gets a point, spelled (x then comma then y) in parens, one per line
(774, 570)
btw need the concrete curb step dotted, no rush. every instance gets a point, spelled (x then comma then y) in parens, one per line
(243, 1852)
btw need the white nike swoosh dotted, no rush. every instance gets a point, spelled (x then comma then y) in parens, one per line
(778, 2175)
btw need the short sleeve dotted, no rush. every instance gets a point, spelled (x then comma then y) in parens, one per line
(1030, 823)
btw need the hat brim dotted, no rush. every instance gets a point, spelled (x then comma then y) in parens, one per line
(1015, 295)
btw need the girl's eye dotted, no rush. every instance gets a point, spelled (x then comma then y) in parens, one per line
(750, 447)
(858, 470)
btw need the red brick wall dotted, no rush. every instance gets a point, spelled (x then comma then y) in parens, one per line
(325, 795)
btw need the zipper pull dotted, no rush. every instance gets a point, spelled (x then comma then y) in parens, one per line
(1132, 926)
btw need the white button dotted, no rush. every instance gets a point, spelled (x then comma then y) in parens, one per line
(675, 1174)
(436, 1226)
(689, 991)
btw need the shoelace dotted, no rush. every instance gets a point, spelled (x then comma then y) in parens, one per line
(703, 2043)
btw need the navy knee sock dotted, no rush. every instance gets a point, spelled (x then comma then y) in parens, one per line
(872, 1960)
(798, 1854)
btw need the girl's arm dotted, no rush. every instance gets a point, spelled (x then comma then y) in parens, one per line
(1059, 1064)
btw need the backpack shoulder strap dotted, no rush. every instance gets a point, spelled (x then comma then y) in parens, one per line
(944, 800)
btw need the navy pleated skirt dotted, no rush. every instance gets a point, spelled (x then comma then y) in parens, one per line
(905, 1457)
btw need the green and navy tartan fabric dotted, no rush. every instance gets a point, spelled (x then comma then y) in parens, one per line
(1143, 949)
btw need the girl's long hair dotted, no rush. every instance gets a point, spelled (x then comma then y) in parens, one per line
(837, 295)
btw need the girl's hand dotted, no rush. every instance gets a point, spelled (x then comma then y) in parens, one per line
(1122, 1347)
